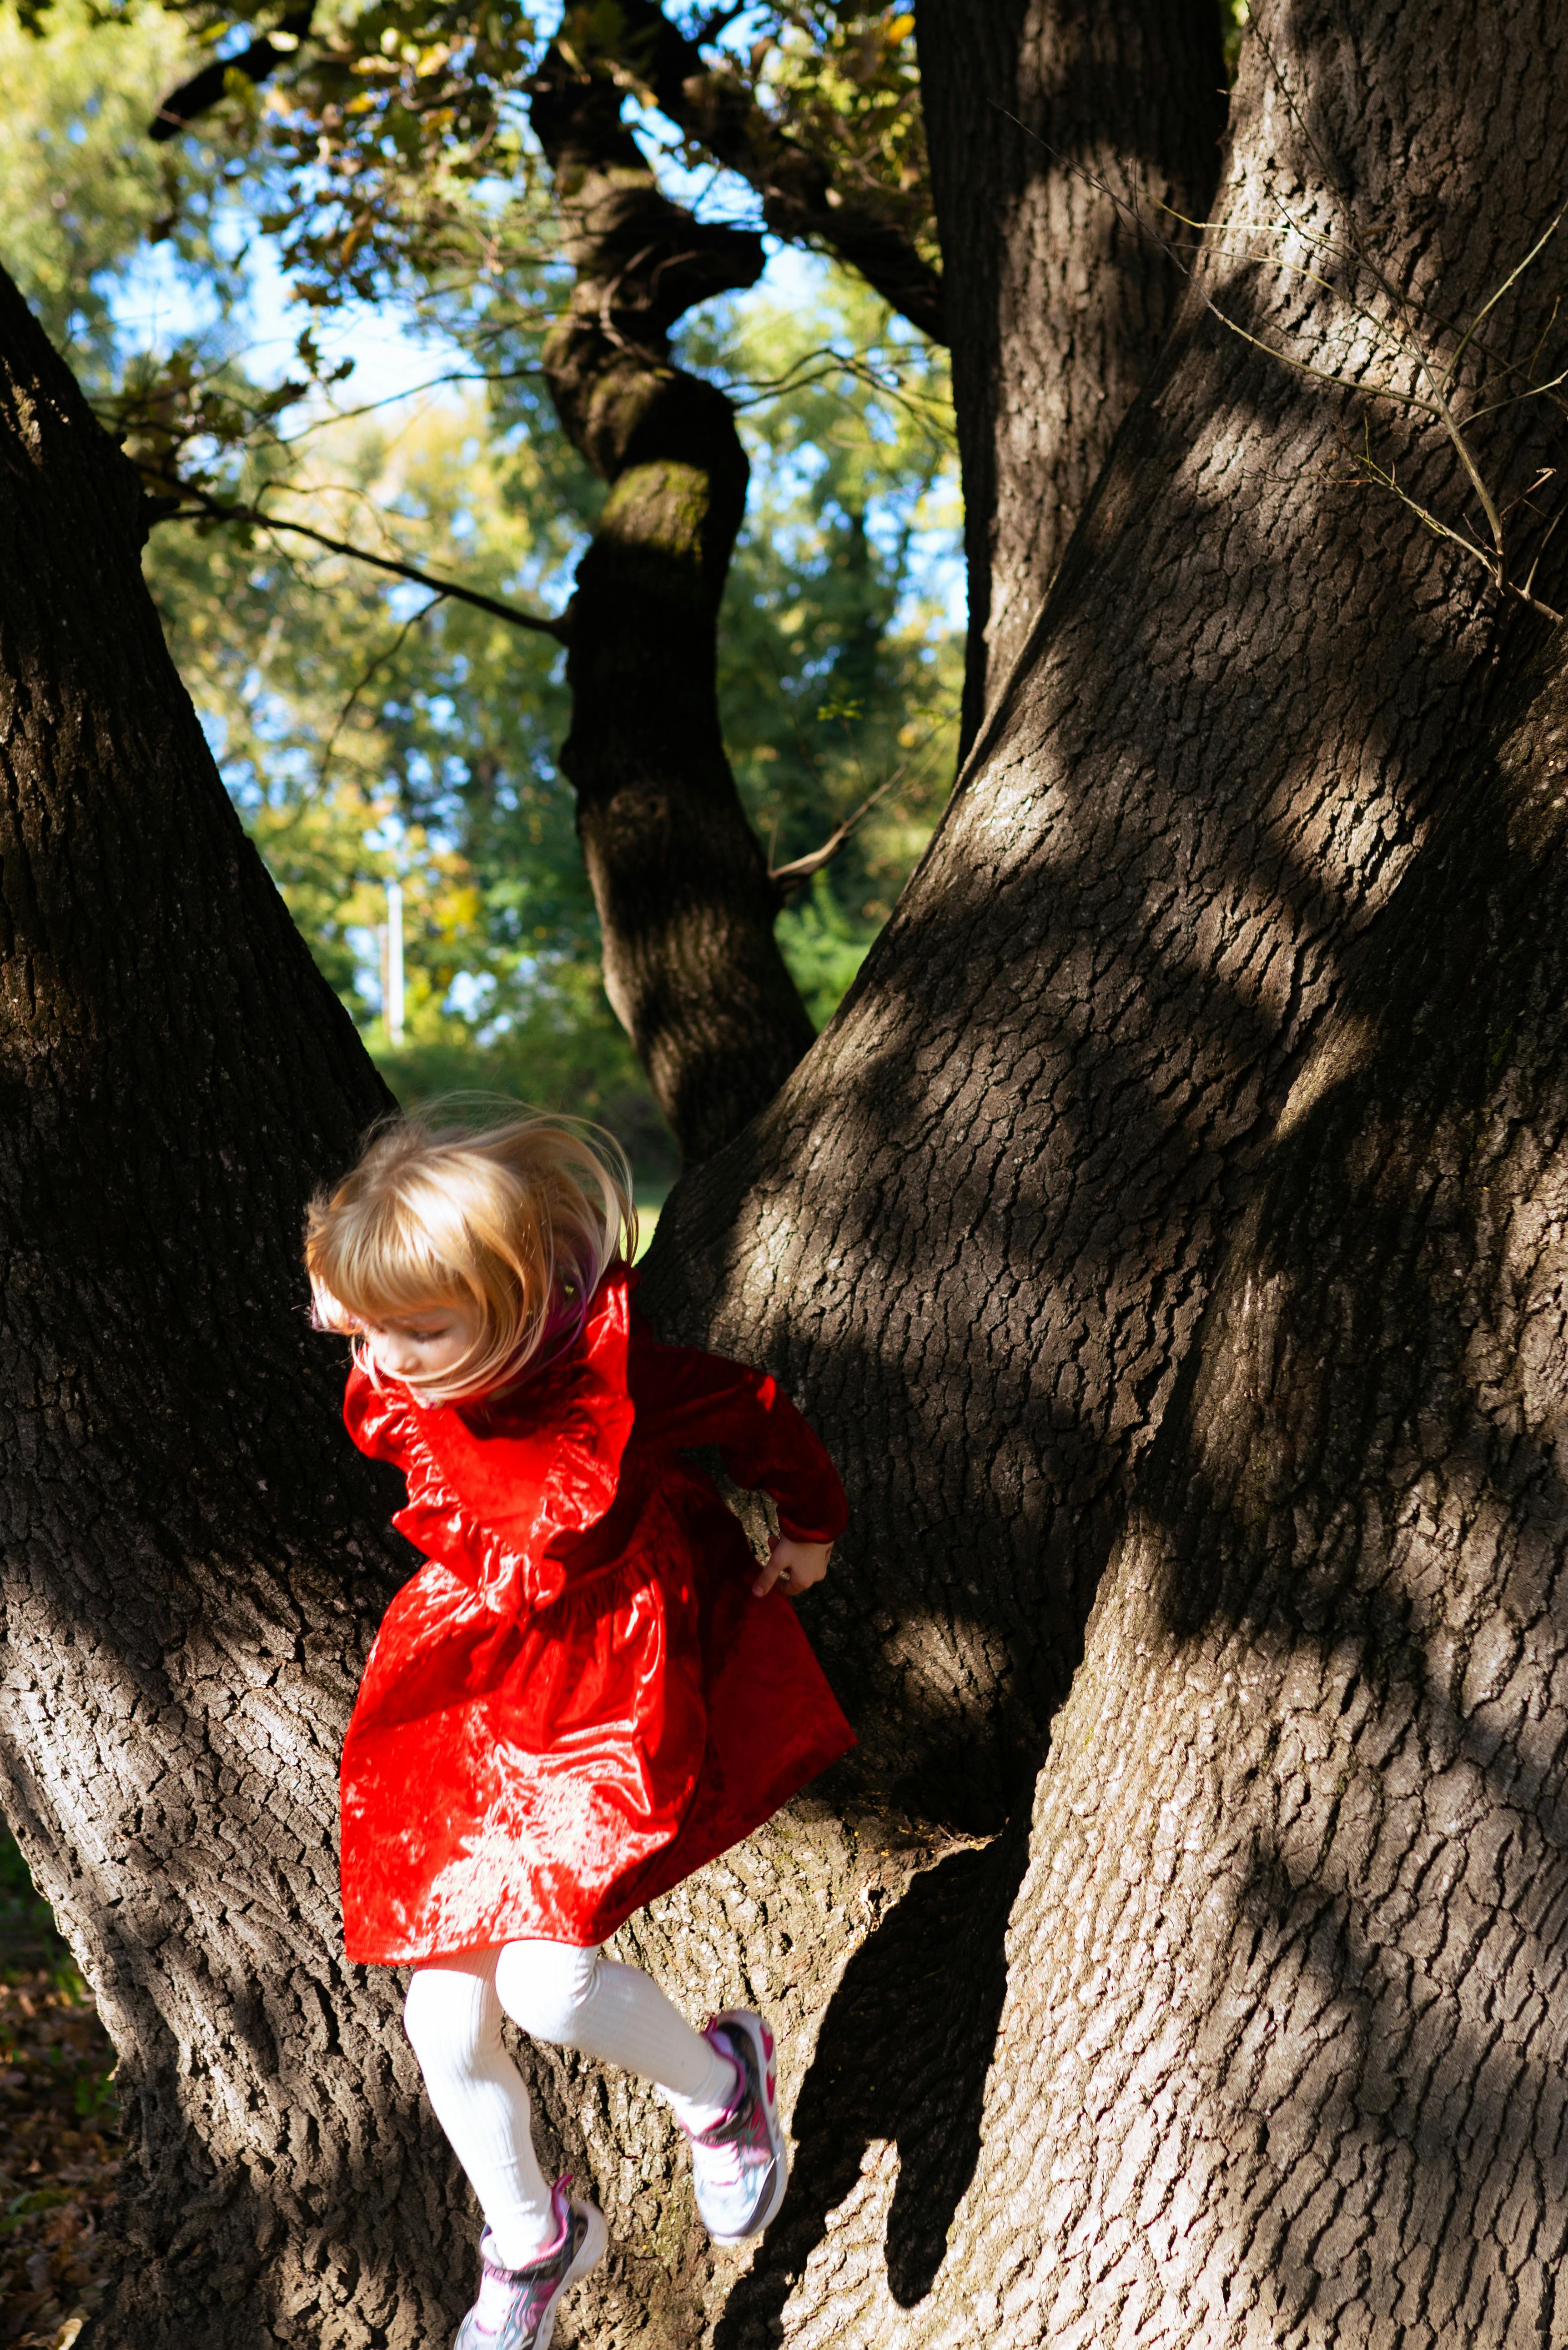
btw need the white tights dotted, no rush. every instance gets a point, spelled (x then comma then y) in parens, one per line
(553, 1992)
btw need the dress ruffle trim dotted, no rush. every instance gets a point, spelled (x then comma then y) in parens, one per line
(495, 1485)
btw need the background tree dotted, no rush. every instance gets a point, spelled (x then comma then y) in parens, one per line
(681, 884)
(402, 156)
(334, 703)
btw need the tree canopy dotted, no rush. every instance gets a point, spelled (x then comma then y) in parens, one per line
(369, 726)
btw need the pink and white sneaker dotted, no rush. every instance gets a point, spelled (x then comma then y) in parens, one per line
(516, 2307)
(740, 2166)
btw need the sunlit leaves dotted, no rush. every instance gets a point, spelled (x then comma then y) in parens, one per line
(840, 658)
(844, 83)
(81, 186)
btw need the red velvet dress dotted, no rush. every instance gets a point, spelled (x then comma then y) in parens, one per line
(576, 1700)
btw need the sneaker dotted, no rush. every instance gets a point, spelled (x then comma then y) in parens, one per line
(740, 2168)
(516, 2307)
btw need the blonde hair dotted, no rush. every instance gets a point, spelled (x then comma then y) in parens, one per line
(516, 1215)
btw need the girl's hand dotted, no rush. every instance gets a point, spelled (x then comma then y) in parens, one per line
(794, 1567)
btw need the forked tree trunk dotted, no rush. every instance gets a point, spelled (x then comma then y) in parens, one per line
(1050, 121)
(195, 1559)
(978, 1229)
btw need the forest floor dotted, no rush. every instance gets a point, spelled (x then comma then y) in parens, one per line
(60, 2139)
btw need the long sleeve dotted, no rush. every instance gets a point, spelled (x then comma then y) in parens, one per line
(684, 1397)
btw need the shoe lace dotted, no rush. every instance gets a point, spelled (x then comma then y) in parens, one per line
(727, 2148)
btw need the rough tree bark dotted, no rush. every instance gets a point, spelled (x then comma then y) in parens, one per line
(1284, 2053)
(1057, 322)
(978, 1229)
(194, 1559)
(686, 907)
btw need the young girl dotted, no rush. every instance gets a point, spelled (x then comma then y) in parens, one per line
(586, 1692)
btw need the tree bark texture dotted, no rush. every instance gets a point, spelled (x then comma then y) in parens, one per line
(1057, 305)
(194, 1559)
(1285, 2056)
(977, 1231)
(686, 907)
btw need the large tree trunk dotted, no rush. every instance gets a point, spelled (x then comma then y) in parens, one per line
(978, 1229)
(1048, 120)
(1283, 2052)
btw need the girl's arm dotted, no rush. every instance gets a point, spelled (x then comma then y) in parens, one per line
(684, 1397)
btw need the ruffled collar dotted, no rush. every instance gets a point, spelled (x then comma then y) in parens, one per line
(517, 1468)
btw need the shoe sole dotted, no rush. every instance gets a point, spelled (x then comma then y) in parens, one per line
(742, 2019)
(596, 2244)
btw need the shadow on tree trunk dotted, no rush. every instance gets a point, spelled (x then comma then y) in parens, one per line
(902, 2056)
(1287, 1959)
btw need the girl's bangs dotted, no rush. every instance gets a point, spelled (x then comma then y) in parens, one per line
(386, 1276)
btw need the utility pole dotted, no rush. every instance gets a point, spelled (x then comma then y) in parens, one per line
(393, 993)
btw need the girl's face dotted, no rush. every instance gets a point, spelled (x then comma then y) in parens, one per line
(426, 1342)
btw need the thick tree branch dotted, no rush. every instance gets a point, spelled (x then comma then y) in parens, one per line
(800, 201)
(258, 63)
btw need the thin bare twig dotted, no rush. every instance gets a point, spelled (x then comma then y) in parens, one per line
(381, 660)
(205, 507)
(1405, 345)
(1512, 277)
(785, 877)
(1420, 359)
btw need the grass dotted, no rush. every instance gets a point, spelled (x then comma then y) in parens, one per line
(646, 1223)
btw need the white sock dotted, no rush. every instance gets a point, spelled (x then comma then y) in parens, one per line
(453, 2019)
